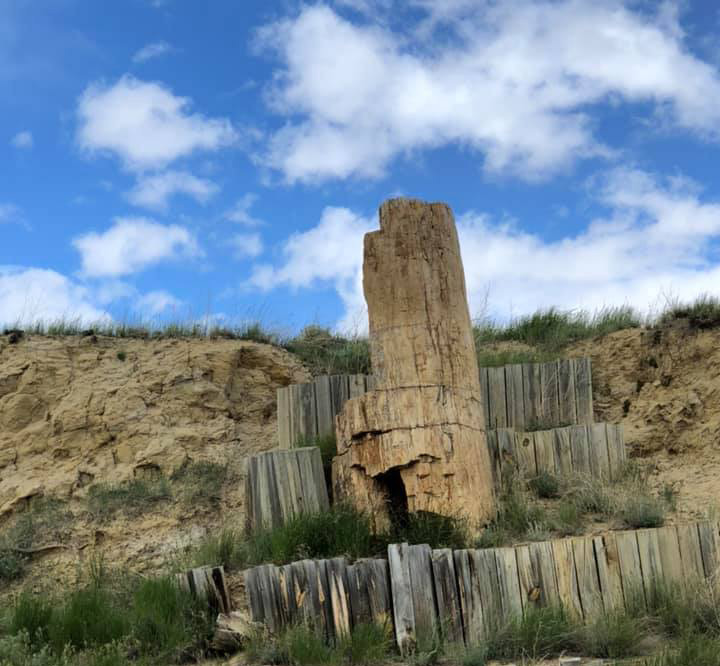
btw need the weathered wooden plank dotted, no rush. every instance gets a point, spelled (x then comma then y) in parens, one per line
(609, 575)
(583, 390)
(525, 452)
(208, 585)
(567, 577)
(532, 395)
(563, 451)
(670, 557)
(358, 594)
(486, 584)
(263, 591)
(650, 561)
(423, 596)
(446, 595)
(598, 450)
(544, 451)
(566, 392)
(514, 396)
(323, 406)
(498, 405)
(529, 589)
(495, 460)
(370, 382)
(356, 386)
(580, 449)
(587, 576)
(630, 568)
(709, 547)
(401, 587)
(506, 449)
(287, 595)
(549, 397)
(471, 610)
(690, 553)
(339, 391)
(377, 575)
(283, 417)
(485, 391)
(312, 479)
(508, 582)
(339, 596)
(542, 563)
(616, 449)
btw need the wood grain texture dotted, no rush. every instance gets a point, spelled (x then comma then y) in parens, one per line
(608, 564)
(690, 553)
(587, 577)
(471, 608)
(498, 403)
(567, 577)
(630, 568)
(422, 588)
(323, 406)
(583, 390)
(446, 594)
(284, 417)
(550, 389)
(566, 392)
(514, 396)
(401, 588)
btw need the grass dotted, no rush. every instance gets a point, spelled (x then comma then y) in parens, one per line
(132, 497)
(200, 482)
(702, 313)
(546, 507)
(327, 353)
(105, 621)
(304, 646)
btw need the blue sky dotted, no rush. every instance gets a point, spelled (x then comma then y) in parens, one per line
(174, 160)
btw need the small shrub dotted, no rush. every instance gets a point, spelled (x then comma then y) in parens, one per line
(327, 353)
(121, 356)
(306, 647)
(643, 511)
(693, 650)
(569, 519)
(669, 494)
(368, 643)
(223, 549)
(12, 564)
(132, 497)
(613, 635)
(433, 529)
(517, 516)
(592, 495)
(703, 313)
(31, 615)
(545, 485)
(201, 482)
(475, 656)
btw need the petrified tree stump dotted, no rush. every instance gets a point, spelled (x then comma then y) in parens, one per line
(417, 442)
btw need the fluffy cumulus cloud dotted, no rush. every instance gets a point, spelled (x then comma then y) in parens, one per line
(154, 191)
(29, 295)
(246, 245)
(22, 140)
(145, 124)
(657, 238)
(513, 81)
(156, 302)
(150, 51)
(240, 212)
(131, 245)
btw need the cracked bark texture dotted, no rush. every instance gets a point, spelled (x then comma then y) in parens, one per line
(424, 421)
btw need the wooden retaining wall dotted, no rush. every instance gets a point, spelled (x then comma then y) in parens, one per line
(282, 483)
(466, 594)
(597, 450)
(528, 395)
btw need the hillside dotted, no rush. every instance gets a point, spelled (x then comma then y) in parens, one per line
(78, 415)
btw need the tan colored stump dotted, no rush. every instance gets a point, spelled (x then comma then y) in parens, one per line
(419, 436)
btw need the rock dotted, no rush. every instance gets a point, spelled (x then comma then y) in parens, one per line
(233, 631)
(418, 440)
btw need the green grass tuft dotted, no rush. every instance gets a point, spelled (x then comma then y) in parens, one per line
(132, 497)
(327, 353)
(200, 483)
(702, 313)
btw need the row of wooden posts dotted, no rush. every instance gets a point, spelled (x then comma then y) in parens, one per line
(465, 595)
(523, 396)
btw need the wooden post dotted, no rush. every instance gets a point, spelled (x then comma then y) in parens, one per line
(283, 483)
(208, 583)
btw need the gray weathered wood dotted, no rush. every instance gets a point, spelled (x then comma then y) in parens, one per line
(339, 596)
(525, 452)
(485, 391)
(506, 449)
(401, 587)
(471, 610)
(690, 553)
(514, 396)
(563, 451)
(532, 394)
(598, 449)
(608, 565)
(356, 385)
(542, 563)
(549, 399)
(369, 591)
(498, 405)
(583, 390)
(508, 582)
(567, 577)
(630, 568)
(323, 405)
(339, 391)
(446, 595)
(579, 446)
(616, 449)
(545, 451)
(566, 392)
(670, 557)
(709, 545)
(282, 483)
(283, 417)
(486, 584)
(208, 584)
(587, 577)
(423, 596)
(495, 461)
(650, 561)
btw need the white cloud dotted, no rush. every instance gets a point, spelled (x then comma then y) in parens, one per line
(145, 124)
(154, 191)
(150, 51)
(240, 212)
(513, 81)
(246, 245)
(29, 295)
(156, 302)
(22, 140)
(657, 238)
(8, 212)
(131, 245)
